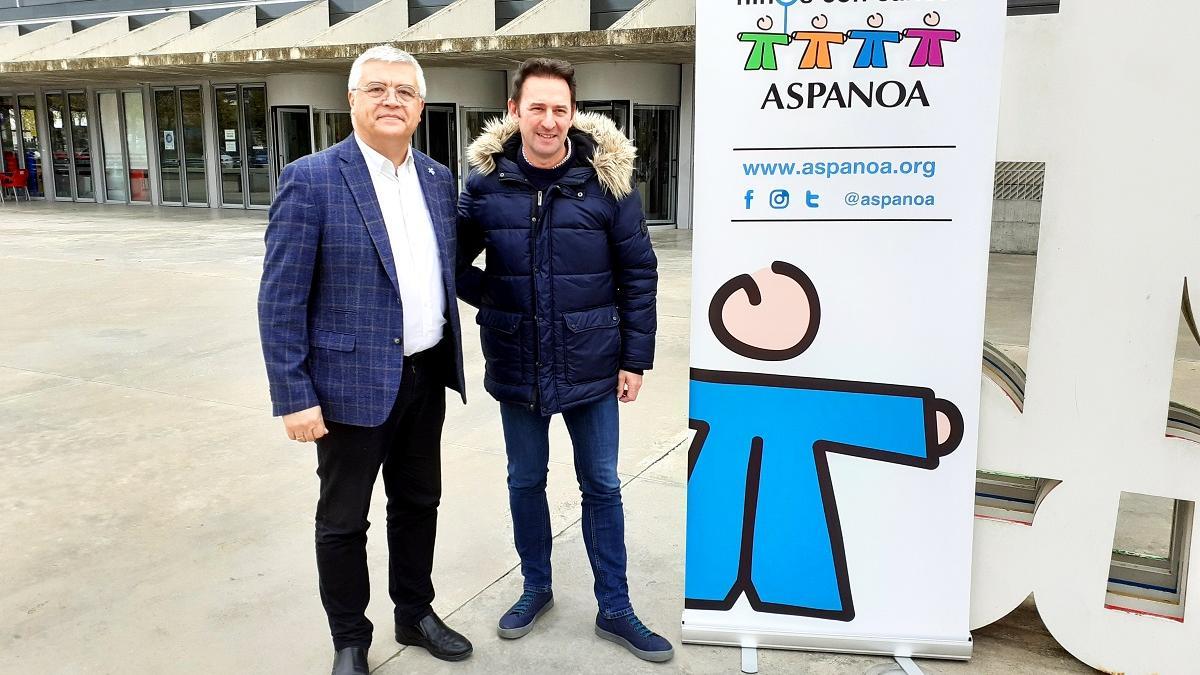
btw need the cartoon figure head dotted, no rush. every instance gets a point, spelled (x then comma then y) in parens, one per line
(875, 20)
(771, 315)
(766, 23)
(820, 22)
(932, 19)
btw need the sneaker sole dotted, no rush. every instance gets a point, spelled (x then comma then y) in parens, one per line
(656, 657)
(514, 633)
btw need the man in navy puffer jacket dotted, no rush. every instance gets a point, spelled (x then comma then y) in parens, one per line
(567, 321)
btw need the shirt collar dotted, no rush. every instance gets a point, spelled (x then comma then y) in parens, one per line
(378, 162)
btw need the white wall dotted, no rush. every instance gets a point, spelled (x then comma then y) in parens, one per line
(644, 83)
(468, 87)
(1028, 93)
(322, 91)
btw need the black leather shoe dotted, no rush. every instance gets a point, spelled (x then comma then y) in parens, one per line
(434, 635)
(350, 661)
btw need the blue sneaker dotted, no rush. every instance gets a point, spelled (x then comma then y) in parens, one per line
(632, 634)
(518, 620)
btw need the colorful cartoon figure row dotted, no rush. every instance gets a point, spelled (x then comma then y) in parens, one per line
(871, 54)
(762, 516)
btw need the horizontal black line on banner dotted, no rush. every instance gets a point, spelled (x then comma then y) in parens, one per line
(842, 220)
(855, 147)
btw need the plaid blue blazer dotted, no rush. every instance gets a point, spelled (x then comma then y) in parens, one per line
(329, 310)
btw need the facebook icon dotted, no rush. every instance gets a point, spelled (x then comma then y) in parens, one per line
(749, 198)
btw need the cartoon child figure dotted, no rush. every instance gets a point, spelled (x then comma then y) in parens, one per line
(873, 53)
(762, 55)
(929, 47)
(816, 55)
(762, 519)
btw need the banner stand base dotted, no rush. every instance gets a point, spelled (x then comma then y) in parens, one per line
(880, 645)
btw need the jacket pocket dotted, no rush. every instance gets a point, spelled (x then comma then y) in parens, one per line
(591, 344)
(500, 337)
(327, 339)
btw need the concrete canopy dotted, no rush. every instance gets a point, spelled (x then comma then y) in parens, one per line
(551, 16)
(78, 43)
(380, 22)
(239, 22)
(675, 44)
(297, 27)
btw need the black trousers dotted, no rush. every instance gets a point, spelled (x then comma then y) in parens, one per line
(408, 447)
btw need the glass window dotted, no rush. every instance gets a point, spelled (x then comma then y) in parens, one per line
(136, 148)
(27, 106)
(111, 144)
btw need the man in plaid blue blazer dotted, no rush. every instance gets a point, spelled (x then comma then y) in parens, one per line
(361, 337)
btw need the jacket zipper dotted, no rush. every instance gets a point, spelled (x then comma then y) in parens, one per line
(537, 324)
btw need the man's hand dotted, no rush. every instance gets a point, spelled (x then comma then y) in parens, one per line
(306, 425)
(628, 385)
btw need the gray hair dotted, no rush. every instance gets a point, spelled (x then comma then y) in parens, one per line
(389, 54)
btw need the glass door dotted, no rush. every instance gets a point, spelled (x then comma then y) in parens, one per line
(293, 135)
(195, 171)
(30, 146)
(242, 144)
(333, 127)
(60, 146)
(231, 146)
(9, 138)
(474, 120)
(437, 135)
(179, 117)
(123, 145)
(617, 111)
(654, 134)
(258, 158)
(81, 147)
(166, 115)
(115, 179)
(137, 155)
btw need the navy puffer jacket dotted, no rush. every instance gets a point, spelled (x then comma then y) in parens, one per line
(567, 295)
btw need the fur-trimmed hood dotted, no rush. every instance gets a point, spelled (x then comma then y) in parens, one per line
(612, 155)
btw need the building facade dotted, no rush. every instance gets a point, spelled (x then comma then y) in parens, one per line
(200, 103)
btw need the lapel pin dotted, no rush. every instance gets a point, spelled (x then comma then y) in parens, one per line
(430, 170)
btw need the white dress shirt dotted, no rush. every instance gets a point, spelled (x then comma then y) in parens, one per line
(414, 247)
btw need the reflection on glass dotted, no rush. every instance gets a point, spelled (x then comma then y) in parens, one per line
(337, 128)
(168, 146)
(56, 115)
(193, 147)
(135, 147)
(81, 146)
(110, 143)
(29, 137)
(654, 136)
(229, 146)
(8, 134)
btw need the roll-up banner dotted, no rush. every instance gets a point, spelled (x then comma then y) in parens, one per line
(845, 156)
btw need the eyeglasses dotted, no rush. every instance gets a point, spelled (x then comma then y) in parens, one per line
(404, 93)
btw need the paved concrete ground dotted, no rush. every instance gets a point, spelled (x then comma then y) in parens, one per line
(156, 520)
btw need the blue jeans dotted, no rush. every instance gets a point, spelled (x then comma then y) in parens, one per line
(593, 428)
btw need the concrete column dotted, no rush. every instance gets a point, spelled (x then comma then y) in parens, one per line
(687, 134)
